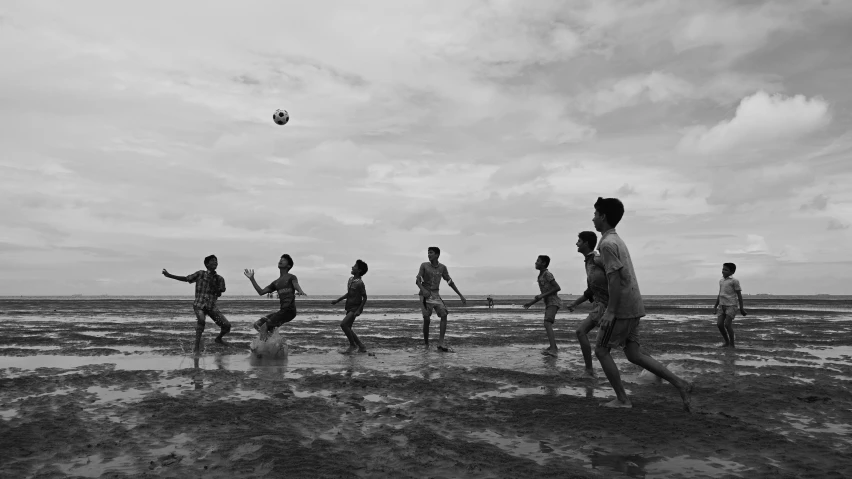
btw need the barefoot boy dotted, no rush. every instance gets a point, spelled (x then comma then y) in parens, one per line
(208, 287)
(730, 295)
(596, 292)
(552, 302)
(287, 287)
(620, 322)
(356, 298)
(428, 280)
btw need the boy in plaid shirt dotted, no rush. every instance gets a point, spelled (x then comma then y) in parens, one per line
(208, 287)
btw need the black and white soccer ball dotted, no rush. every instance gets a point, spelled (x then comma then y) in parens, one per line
(281, 117)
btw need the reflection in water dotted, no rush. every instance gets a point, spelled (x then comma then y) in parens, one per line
(632, 465)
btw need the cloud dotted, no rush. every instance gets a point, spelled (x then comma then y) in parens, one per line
(760, 118)
(836, 225)
(625, 190)
(755, 245)
(655, 87)
(819, 202)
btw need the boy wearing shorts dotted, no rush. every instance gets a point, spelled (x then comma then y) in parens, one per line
(730, 295)
(356, 298)
(619, 325)
(287, 286)
(428, 281)
(597, 292)
(548, 287)
(208, 287)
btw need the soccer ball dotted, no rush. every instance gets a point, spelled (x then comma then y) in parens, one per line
(281, 117)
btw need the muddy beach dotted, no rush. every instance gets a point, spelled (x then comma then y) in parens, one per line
(104, 389)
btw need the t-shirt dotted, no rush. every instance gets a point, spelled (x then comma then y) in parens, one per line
(597, 286)
(355, 293)
(431, 275)
(616, 258)
(546, 282)
(728, 288)
(286, 290)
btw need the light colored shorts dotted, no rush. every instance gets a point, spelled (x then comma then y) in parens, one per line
(433, 303)
(619, 333)
(726, 312)
(550, 313)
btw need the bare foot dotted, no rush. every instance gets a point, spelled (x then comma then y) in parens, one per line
(362, 349)
(616, 403)
(550, 352)
(350, 350)
(723, 345)
(587, 374)
(686, 395)
(219, 340)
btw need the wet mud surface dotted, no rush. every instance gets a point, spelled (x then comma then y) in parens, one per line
(110, 393)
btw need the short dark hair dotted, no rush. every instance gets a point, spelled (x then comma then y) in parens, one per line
(544, 259)
(209, 258)
(362, 267)
(288, 258)
(731, 266)
(435, 249)
(589, 237)
(612, 208)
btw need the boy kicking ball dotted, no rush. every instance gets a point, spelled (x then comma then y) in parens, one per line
(356, 298)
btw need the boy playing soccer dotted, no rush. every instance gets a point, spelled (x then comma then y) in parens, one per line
(597, 293)
(356, 298)
(730, 294)
(620, 322)
(208, 287)
(287, 286)
(552, 302)
(428, 280)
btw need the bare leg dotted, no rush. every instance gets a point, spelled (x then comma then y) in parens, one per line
(551, 336)
(611, 370)
(426, 320)
(346, 326)
(729, 326)
(200, 317)
(443, 330)
(721, 325)
(637, 357)
(586, 347)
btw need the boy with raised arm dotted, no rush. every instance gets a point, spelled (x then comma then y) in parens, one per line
(730, 294)
(597, 293)
(208, 287)
(552, 302)
(287, 286)
(356, 298)
(428, 281)
(619, 325)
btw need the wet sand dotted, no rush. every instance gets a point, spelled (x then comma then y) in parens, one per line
(103, 391)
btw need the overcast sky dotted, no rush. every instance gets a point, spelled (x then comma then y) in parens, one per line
(138, 136)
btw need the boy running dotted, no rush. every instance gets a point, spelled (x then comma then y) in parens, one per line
(596, 292)
(552, 302)
(620, 322)
(356, 298)
(730, 294)
(428, 280)
(287, 287)
(208, 287)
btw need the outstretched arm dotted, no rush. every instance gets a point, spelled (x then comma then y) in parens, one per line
(298, 288)
(169, 275)
(260, 291)
(341, 298)
(461, 296)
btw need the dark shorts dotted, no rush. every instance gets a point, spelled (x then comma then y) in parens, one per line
(619, 333)
(550, 313)
(354, 310)
(278, 318)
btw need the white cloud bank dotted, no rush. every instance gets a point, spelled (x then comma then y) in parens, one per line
(760, 118)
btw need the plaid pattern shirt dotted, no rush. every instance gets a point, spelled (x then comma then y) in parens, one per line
(208, 287)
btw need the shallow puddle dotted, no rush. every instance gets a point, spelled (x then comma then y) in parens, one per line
(95, 466)
(106, 395)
